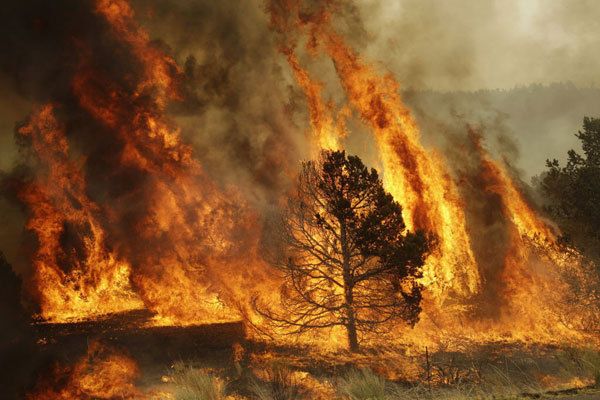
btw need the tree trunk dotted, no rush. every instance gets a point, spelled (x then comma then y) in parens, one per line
(351, 329)
(348, 293)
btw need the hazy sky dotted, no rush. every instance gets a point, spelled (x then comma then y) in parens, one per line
(436, 44)
(241, 112)
(473, 44)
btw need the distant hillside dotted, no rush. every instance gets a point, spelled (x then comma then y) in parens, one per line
(540, 120)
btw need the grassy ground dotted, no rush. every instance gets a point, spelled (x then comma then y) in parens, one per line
(494, 371)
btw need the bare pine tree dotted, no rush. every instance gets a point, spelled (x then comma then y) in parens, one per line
(348, 259)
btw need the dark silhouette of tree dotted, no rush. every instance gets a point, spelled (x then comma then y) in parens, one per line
(17, 347)
(572, 196)
(348, 258)
(573, 191)
(12, 315)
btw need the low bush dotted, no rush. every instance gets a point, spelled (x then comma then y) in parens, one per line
(195, 384)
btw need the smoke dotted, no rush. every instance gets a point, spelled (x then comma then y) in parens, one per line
(237, 105)
(446, 52)
(241, 111)
(465, 45)
(237, 111)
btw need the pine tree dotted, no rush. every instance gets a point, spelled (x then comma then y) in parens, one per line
(348, 258)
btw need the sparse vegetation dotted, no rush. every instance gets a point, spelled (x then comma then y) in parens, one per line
(586, 362)
(490, 372)
(572, 191)
(363, 385)
(278, 384)
(195, 384)
(571, 195)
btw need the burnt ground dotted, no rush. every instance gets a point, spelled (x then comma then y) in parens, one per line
(213, 347)
(154, 348)
(131, 331)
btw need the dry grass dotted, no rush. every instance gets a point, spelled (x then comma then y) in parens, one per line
(363, 385)
(279, 384)
(516, 378)
(590, 361)
(195, 384)
(520, 373)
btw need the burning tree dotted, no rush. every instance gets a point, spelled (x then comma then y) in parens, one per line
(348, 258)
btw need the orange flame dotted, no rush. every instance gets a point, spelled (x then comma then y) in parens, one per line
(86, 279)
(533, 286)
(186, 236)
(420, 181)
(412, 175)
(415, 177)
(101, 374)
(189, 249)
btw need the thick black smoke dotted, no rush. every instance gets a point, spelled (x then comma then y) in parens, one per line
(238, 111)
(235, 108)
(39, 57)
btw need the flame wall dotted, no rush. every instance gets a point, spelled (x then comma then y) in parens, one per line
(126, 208)
(512, 288)
(123, 216)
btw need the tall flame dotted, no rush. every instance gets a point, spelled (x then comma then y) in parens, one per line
(74, 274)
(191, 233)
(143, 225)
(432, 201)
(175, 237)
(414, 176)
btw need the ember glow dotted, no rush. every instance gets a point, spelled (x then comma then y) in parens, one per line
(102, 373)
(145, 225)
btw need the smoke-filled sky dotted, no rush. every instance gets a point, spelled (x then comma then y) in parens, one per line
(247, 118)
(438, 45)
(475, 44)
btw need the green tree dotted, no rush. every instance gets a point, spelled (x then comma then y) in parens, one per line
(572, 196)
(348, 259)
(573, 191)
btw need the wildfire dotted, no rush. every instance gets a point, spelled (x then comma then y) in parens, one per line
(143, 225)
(526, 301)
(167, 239)
(414, 176)
(101, 374)
(75, 274)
